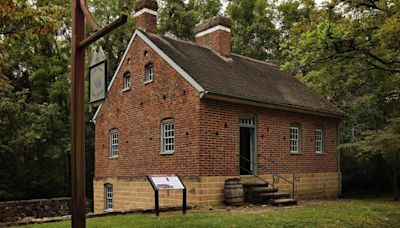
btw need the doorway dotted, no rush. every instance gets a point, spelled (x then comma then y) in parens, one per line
(247, 146)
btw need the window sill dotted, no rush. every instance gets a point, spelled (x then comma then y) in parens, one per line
(167, 153)
(148, 82)
(126, 89)
(320, 153)
(108, 210)
(295, 153)
(113, 157)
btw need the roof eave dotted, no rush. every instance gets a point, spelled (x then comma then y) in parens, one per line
(272, 105)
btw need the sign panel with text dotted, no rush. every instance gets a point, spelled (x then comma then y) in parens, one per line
(166, 182)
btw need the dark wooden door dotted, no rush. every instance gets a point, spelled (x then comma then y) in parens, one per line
(245, 150)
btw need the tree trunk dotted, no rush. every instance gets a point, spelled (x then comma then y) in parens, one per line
(393, 179)
(394, 185)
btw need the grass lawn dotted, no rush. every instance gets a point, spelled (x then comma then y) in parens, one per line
(340, 213)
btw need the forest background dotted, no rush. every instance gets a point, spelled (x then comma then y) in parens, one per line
(346, 50)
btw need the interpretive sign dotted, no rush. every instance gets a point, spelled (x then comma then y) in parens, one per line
(167, 182)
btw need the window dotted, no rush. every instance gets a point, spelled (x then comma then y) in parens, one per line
(149, 75)
(246, 121)
(127, 81)
(114, 143)
(294, 139)
(168, 136)
(108, 197)
(319, 141)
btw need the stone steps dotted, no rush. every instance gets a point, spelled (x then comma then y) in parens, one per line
(284, 202)
(264, 189)
(258, 193)
(273, 195)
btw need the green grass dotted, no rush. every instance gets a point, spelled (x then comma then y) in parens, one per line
(342, 213)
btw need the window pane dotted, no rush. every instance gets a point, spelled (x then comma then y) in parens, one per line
(318, 141)
(149, 73)
(114, 143)
(108, 196)
(294, 139)
(168, 136)
(127, 81)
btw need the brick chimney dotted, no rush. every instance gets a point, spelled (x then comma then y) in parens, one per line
(146, 15)
(215, 34)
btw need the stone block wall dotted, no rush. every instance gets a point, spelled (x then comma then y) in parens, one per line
(203, 191)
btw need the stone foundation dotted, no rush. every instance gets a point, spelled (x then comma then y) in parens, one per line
(309, 186)
(203, 191)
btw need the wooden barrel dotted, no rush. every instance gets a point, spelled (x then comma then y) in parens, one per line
(233, 192)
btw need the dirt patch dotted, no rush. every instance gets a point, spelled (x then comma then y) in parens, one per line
(247, 207)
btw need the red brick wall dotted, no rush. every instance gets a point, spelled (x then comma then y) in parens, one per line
(204, 146)
(220, 139)
(147, 22)
(138, 113)
(219, 41)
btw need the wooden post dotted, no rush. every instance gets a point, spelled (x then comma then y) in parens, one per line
(78, 118)
(156, 202)
(79, 11)
(184, 206)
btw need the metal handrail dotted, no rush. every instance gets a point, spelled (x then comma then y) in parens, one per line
(297, 177)
(275, 177)
(241, 167)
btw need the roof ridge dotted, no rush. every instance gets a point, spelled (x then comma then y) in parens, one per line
(255, 60)
(225, 58)
(216, 53)
(180, 40)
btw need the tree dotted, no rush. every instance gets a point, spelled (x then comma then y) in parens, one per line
(348, 52)
(35, 98)
(254, 33)
(385, 143)
(179, 18)
(115, 43)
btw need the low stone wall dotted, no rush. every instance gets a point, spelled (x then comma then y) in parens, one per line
(203, 191)
(11, 211)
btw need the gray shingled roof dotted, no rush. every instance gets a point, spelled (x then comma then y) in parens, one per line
(241, 77)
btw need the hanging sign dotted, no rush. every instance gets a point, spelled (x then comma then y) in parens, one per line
(98, 77)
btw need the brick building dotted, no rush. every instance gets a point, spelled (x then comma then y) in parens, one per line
(199, 111)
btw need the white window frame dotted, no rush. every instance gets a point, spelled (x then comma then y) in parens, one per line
(295, 139)
(127, 83)
(114, 143)
(168, 136)
(108, 197)
(319, 141)
(149, 73)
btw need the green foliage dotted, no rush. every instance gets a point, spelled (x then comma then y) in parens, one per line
(34, 103)
(385, 143)
(32, 139)
(348, 51)
(179, 18)
(254, 33)
(114, 43)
